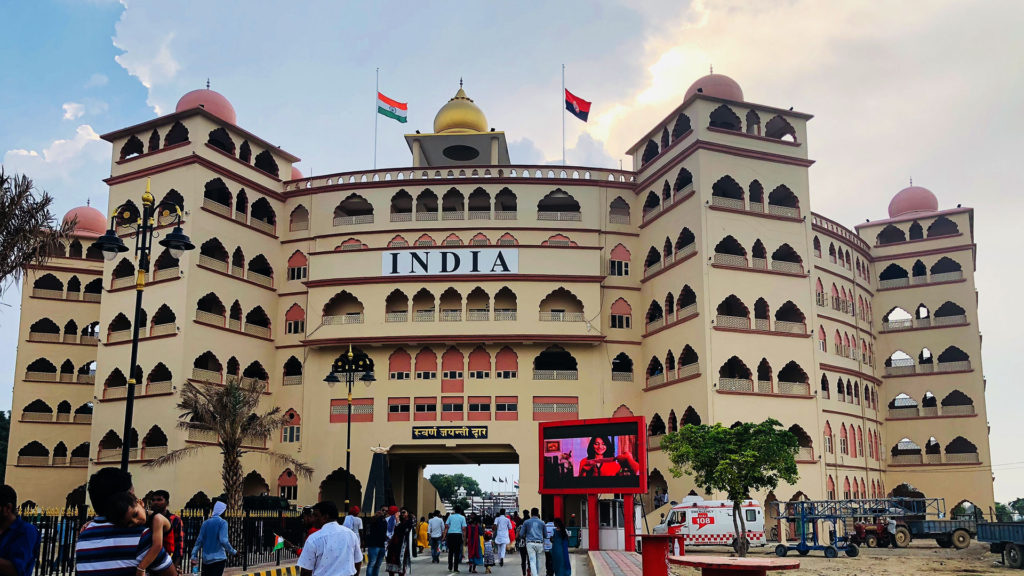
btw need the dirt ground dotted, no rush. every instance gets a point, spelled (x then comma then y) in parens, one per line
(921, 558)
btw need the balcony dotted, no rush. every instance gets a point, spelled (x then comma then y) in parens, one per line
(504, 315)
(263, 226)
(163, 329)
(478, 315)
(122, 282)
(43, 337)
(37, 417)
(426, 216)
(423, 316)
(618, 217)
(210, 317)
(910, 368)
(203, 375)
(33, 461)
(795, 388)
(261, 279)
(622, 376)
(555, 375)
(255, 330)
(925, 412)
(735, 322)
(161, 387)
(217, 207)
(401, 216)
(479, 214)
(400, 316)
(82, 419)
(562, 317)
(505, 215)
(353, 220)
(452, 215)
(451, 315)
(914, 323)
(921, 280)
(293, 380)
(805, 454)
(732, 260)
(787, 267)
(44, 293)
(166, 273)
(119, 336)
(213, 263)
(688, 370)
(735, 385)
(730, 203)
(45, 376)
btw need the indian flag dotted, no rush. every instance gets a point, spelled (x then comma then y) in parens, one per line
(278, 542)
(392, 108)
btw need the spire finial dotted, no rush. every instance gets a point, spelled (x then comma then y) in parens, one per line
(460, 81)
(88, 201)
(911, 180)
(712, 66)
(207, 83)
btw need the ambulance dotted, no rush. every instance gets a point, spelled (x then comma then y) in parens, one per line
(709, 522)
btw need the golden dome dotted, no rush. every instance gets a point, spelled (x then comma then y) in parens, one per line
(460, 116)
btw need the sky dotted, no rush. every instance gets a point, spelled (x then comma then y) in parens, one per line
(928, 90)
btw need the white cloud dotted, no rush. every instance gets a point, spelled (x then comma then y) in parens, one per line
(145, 54)
(62, 157)
(97, 80)
(73, 110)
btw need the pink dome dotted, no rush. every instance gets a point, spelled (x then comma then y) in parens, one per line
(91, 222)
(913, 199)
(717, 85)
(210, 101)
(296, 173)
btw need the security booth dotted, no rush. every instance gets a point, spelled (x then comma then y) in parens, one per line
(590, 458)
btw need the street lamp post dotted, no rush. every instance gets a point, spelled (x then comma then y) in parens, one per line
(110, 244)
(350, 364)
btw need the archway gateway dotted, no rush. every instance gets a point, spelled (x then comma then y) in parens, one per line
(408, 461)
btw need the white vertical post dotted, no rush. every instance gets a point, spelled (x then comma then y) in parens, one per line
(376, 114)
(563, 114)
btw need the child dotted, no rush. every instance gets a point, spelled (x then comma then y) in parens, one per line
(488, 551)
(127, 510)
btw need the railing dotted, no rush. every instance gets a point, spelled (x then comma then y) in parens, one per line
(688, 370)
(947, 276)
(33, 460)
(654, 324)
(478, 315)
(506, 215)
(685, 251)
(160, 387)
(85, 378)
(452, 215)
(45, 337)
(805, 453)
(479, 214)
(762, 324)
(261, 279)
(60, 460)
(964, 410)
(764, 386)
(423, 316)
(46, 293)
(165, 273)
(240, 216)
(426, 216)
(451, 315)
(237, 271)
(790, 327)
(350, 318)
(264, 226)
(929, 410)
(757, 207)
(906, 459)
(37, 416)
(115, 392)
(401, 316)
(91, 296)
(738, 322)
(555, 375)
(46, 376)
(731, 203)
(235, 324)
(208, 436)
(294, 380)
(968, 458)
(204, 375)
(783, 211)
(210, 317)
(686, 311)
(82, 418)
(622, 376)
(796, 388)
(211, 262)
(562, 317)
(256, 330)
(730, 260)
(63, 417)
(119, 335)
(122, 282)
(153, 452)
(735, 385)
(504, 315)
(962, 365)
(904, 412)
(559, 216)
(758, 263)
(161, 329)
(214, 206)
(618, 217)
(401, 216)
(351, 220)
(298, 226)
(652, 268)
(787, 267)
(72, 295)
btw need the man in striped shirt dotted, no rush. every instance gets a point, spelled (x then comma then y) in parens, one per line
(105, 549)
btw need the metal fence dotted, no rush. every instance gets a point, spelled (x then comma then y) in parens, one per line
(251, 533)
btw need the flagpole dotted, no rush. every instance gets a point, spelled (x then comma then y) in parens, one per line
(375, 115)
(563, 114)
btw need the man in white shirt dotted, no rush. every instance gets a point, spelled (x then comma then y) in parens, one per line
(435, 531)
(333, 550)
(502, 527)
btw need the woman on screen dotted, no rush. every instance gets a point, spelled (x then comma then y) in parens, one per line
(598, 464)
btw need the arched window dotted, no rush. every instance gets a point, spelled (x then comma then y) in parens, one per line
(942, 226)
(426, 365)
(756, 196)
(890, 235)
(622, 368)
(505, 205)
(732, 313)
(688, 362)
(426, 205)
(220, 139)
(729, 252)
(176, 135)
(453, 364)
(621, 314)
(299, 219)
(295, 320)
(298, 266)
(400, 365)
(780, 129)
(291, 431)
(652, 203)
(916, 231)
(656, 427)
(783, 202)
(561, 305)
(506, 364)
(245, 152)
(681, 126)
(343, 308)
(154, 141)
(558, 205)
(555, 363)
(265, 162)
(724, 118)
(735, 376)
(683, 180)
(263, 216)
(453, 205)
(479, 205)
(728, 193)
(401, 207)
(354, 209)
(450, 303)
(650, 152)
(690, 417)
(618, 211)
(479, 364)
(133, 147)
(753, 123)
(505, 305)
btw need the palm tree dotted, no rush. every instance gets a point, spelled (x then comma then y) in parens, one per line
(27, 227)
(229, 412)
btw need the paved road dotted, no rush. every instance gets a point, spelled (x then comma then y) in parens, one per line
(513, 566)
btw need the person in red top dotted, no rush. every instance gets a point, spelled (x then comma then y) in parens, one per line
(174, 541)
(308, 525)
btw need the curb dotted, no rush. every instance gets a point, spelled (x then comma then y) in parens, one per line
(280, 571)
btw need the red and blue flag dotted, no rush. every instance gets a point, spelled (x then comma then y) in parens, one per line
(577, 106)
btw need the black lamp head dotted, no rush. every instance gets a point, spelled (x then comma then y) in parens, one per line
(332, 378)
(177, 242)
(110, 245)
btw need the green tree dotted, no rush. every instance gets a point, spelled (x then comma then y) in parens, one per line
(1017, 506)
(736, 460)
(28, 230)
(1003, 513)
(447, 485)
(461, 504)
(5, 433)
(229, 413)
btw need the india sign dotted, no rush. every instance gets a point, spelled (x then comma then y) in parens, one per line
(455, 261)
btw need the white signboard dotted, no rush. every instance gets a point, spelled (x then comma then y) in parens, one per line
(435, 261)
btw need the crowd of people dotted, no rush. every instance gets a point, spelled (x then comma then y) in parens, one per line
(119, 541)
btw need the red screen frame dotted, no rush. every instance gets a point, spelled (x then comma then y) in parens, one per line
(642, 457)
